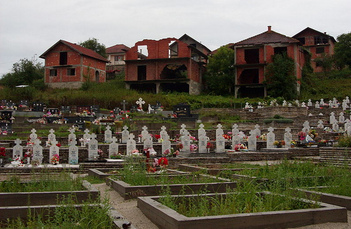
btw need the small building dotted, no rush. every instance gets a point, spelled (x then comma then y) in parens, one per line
(318, 44)
(116, 55)
(68, 65)
(168, 64)
(252, 55)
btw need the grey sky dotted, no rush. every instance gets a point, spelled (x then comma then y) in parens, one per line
(29, 27)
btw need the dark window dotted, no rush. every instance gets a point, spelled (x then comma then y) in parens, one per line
(142, 72)
(252, 56)
(63, 58)
(319, 50)
(302, 40)
(71, 71)
(320, 40)
(53, 72)
(249, 76)
(280, 50)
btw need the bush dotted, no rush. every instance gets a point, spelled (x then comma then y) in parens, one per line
(344, 141)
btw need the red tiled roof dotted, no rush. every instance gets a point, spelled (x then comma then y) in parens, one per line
(117, 48)
(79, 49)
(267, 37)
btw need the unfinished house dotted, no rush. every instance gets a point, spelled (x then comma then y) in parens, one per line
(255, 53)
(318, 44)
(165, 65)
(115, 55)
(68, 65)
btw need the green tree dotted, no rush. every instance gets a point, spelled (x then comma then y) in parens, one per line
(326, 62)
(343, 51)
(23, 72)
(280, 78)
(94, 45)
(220, 72)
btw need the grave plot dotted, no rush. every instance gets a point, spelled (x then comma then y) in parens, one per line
(134, 181)
(237, 210)
(291, 174)
(216, 169)
(335, 191)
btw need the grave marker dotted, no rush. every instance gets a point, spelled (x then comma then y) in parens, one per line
(73, 158)
(108, 134)
(17, 150)
(125, 134)
(113, 147)
(131, 144)
(287, 137)
(270, 138)
(93, 148)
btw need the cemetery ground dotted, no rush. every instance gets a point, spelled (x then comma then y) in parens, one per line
(261, 155)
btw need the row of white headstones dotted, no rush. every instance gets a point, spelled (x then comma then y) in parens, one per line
(90, 141)
(334, 103)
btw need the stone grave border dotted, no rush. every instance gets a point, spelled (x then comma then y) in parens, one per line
(128, 191)
(165, 217)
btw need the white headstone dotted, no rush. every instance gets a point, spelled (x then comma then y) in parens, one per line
(33, 135)
(201, 131)
(144, 134)
(203, 140)
(309, 103)
(252, 141)
(270, 138)
(284, 103)
(287, 137)
(321, 103)
(93, 148)
(182, 130)
(185, 140)
(220, 144)
(332, 118)
(113, 147)
(73, 158)
(17, 150)
(303, 104)
(72, 136)
(219, 131)
(306, 127)
(37, 152)
(140, 102)
(236, 139)
(131, 144)
(341, 117)
(166, 143)
(163, 133)
(86, 134)
(54, 149)
(320, 124)
(316, 105)
(148, 142)
(125, 134)
(51, 136)
(108, 134)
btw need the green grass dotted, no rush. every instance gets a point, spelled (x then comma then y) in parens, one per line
(41, 183)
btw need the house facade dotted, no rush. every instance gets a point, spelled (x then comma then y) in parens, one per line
(318, 44)
(68, 65)
(165, 65)
(116, 56)
(252, 55)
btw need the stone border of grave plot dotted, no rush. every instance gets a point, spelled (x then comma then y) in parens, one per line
(99, 172)
(22, 212)
(167, 218)
(128, 191)
(210, 171)
(14, 199)
(343, 201)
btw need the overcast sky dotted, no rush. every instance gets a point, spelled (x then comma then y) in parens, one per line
(29, 27)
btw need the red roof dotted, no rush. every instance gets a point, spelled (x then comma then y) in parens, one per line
(267, 37)
(81, 50)
(117, 48)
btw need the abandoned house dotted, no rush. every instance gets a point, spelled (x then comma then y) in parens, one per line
(252, 55)
(168, 64)
(68, 65)
(115, 55)
(318, 44)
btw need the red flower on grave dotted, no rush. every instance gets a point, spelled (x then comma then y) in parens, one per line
(2, 152)
(157, 136)
(163, 162)
(58, 144)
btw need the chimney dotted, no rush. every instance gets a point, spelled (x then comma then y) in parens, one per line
(269, 28)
